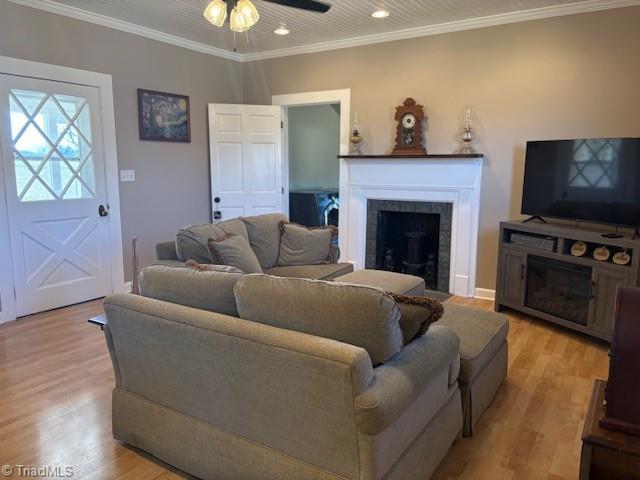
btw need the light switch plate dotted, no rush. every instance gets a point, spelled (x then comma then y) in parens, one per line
(127, 175)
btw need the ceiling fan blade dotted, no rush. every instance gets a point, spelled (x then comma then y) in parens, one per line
(311, 5)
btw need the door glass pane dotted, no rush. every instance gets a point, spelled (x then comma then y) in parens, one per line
(52, 135)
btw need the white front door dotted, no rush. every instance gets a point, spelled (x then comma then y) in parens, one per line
(245, 143)
(54, 178)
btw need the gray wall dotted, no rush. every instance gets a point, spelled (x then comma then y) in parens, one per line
(314, 144)
(566, 77)
(172, 180)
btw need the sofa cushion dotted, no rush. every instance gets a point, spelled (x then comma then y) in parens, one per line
(264, 236)
(300, 245)
(192, 242)
(361, 316)
(416, 315)
(390, 281)
(235, 251)
(326, 271)
(482, 334)
(169, 263)
(211, 291)
(166, 250)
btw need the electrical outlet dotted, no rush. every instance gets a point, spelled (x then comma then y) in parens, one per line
(127, 175)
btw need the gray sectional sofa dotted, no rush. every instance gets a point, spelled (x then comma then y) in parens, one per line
(234, 376)
(225, 397)
(263, 234)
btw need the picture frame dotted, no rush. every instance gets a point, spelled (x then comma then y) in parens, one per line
(164, 117)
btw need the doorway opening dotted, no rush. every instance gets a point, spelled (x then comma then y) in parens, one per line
(311, 179)
(314, 168)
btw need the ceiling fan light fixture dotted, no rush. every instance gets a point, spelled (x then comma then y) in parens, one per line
(237, 22)
(248, 12)
(282, 30)
(216, 12)
(381, 13)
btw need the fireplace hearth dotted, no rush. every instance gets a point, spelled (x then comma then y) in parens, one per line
(410, 237)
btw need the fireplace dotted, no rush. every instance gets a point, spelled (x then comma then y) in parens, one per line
(410, 237)
(448, 182)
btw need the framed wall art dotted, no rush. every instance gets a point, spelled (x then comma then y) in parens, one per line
(163, 117)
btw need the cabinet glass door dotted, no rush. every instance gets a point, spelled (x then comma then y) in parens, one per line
(560, 289)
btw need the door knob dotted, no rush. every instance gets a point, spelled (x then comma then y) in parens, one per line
(103, 211)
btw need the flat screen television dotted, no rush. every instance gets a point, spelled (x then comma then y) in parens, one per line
(592, 180)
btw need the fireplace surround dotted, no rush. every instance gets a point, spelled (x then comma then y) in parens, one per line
(448, 179)
(410, 237)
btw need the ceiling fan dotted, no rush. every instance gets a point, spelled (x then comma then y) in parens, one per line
(243, 14)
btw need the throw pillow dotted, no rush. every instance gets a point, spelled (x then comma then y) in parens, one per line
(235, 251)
(209, 267)
(192, 242)
(416, 314)
(264, 236)
(300, 245)
(355, 314)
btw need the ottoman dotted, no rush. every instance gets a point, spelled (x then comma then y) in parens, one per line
(398, 283)
(483, 357)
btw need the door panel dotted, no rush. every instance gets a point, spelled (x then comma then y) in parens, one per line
(230, 168)
(246, 159)
(512, 277)
(264, 167)
(606, 283)
(52, 154)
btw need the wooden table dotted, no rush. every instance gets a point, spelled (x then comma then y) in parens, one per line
(606, 454)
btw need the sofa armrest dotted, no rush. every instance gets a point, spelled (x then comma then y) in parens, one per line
(398, 382)
(166, 250)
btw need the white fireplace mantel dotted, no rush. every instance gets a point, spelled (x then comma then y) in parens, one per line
(454, 179)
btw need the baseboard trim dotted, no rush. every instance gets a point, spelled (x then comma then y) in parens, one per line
(485, 294)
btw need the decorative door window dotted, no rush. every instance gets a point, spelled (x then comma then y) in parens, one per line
(51, 141)
(595, 163)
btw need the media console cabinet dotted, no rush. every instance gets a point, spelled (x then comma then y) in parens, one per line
(538, 275)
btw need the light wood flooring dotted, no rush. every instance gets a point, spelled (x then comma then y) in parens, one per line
(55, 402)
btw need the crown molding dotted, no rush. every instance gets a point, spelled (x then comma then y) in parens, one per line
(110, 22)
(448, 27)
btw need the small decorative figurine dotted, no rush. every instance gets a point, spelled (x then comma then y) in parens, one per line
(467, 134)
(622, 258)
(578, 249)
(356, 138)
(601, 254)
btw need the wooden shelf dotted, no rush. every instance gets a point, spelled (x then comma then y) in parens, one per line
(431, 155)
(586, 233)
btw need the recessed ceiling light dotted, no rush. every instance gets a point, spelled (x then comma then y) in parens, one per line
(380, 13)
(282, 30)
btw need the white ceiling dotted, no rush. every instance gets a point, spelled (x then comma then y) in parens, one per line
(346, 23)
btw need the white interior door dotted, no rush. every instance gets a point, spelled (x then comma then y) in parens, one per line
(54, 179)
(245, 143)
